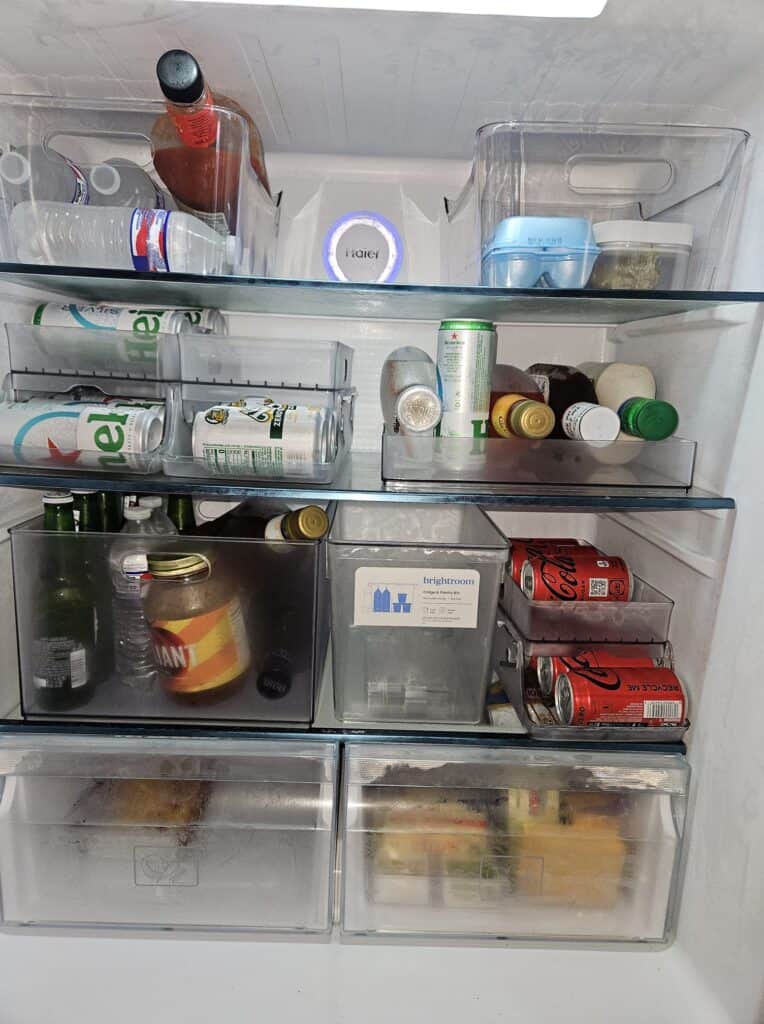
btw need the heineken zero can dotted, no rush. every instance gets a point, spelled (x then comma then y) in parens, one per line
(141, 321)
(73, 434)
(465, 361)
(258, 436)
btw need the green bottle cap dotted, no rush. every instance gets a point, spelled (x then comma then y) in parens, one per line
(649, 418)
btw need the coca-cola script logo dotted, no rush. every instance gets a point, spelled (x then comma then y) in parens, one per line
(558, 573)
(605, 678)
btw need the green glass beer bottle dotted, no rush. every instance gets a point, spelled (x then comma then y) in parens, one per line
(87, 519)
(110, 507)
(180, 509)
(63, 650)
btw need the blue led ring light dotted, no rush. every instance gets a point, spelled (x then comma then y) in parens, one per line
(369, 219)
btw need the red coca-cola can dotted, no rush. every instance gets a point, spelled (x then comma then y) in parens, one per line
(620, 696)
(548, 667)
(570, 576)
(523, 548)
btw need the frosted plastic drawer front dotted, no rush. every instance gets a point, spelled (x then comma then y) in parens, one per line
(643, 620)
(414, 594)
(448, 841)
(233, 835)
(267, 615)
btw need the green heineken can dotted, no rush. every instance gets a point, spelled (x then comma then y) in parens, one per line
(466, 358)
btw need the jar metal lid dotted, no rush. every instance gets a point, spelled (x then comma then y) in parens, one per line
(164, 565)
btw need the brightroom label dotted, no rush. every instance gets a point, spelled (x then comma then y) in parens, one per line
(439, 598)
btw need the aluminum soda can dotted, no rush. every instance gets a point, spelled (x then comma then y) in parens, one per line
(72, 433)
(521, 549)
(549, 667)
(142, 321)
(261, 437)
(465, 361)
(570, 576)
(620, 696)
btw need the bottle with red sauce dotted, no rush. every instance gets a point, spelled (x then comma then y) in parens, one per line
(197, 150)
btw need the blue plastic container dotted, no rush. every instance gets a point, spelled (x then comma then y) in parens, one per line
(539, 252)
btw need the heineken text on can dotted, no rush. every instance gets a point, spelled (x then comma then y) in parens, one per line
(261, 437)
(144, 322)
(465, 361)
(570, 576)
(110, 437)
(548, 667)
(620, 696)
(68, 434)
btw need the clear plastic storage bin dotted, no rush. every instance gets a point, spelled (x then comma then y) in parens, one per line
(167, 833)
(457, 842)
(79, 399)
(677, 177)
(89, 133)
(644, 619)
(414, 594)
(212, 437)
(258, 621)
(514, 662)
(498, 461)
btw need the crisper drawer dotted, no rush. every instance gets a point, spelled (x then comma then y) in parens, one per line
(459, 842)
(240, 640)
(230, 835)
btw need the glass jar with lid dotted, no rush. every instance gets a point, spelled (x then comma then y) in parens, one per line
(192, 605)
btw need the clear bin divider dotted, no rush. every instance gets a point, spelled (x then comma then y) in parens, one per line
(86, 353)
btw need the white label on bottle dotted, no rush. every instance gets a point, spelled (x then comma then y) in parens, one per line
(436, 598)
(571, 418)
(78, 667)
(543, 382)
(217, 221)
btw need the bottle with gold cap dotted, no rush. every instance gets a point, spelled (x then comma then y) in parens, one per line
(308, 523)
(518, 416)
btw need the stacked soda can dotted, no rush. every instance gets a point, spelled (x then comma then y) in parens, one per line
(596, 685)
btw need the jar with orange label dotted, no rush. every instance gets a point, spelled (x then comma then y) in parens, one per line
(199, 636)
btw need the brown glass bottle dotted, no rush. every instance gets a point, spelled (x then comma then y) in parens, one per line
(197, 150)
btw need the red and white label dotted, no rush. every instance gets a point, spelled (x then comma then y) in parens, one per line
(148, 240)
(198, 129)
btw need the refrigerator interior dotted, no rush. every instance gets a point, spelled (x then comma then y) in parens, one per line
(396, 96)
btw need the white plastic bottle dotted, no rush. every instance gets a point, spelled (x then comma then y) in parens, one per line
(121, 182)
(33, 172)
(118, 238)
(160, 521)
(133, 652)
(408, 392)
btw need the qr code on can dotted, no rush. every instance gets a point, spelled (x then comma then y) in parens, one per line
(597, 588)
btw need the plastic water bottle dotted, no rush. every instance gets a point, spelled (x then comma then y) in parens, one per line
(160, 522)
(133, 654)
(118, 238)
(121, 182)
(33, 172)
(408, 392)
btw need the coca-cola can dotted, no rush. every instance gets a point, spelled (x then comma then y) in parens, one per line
(521, 549)
(620, 696)
(548, 667)
(570, 576)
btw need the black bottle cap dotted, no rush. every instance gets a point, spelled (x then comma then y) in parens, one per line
(180, 77)
(274, 682)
